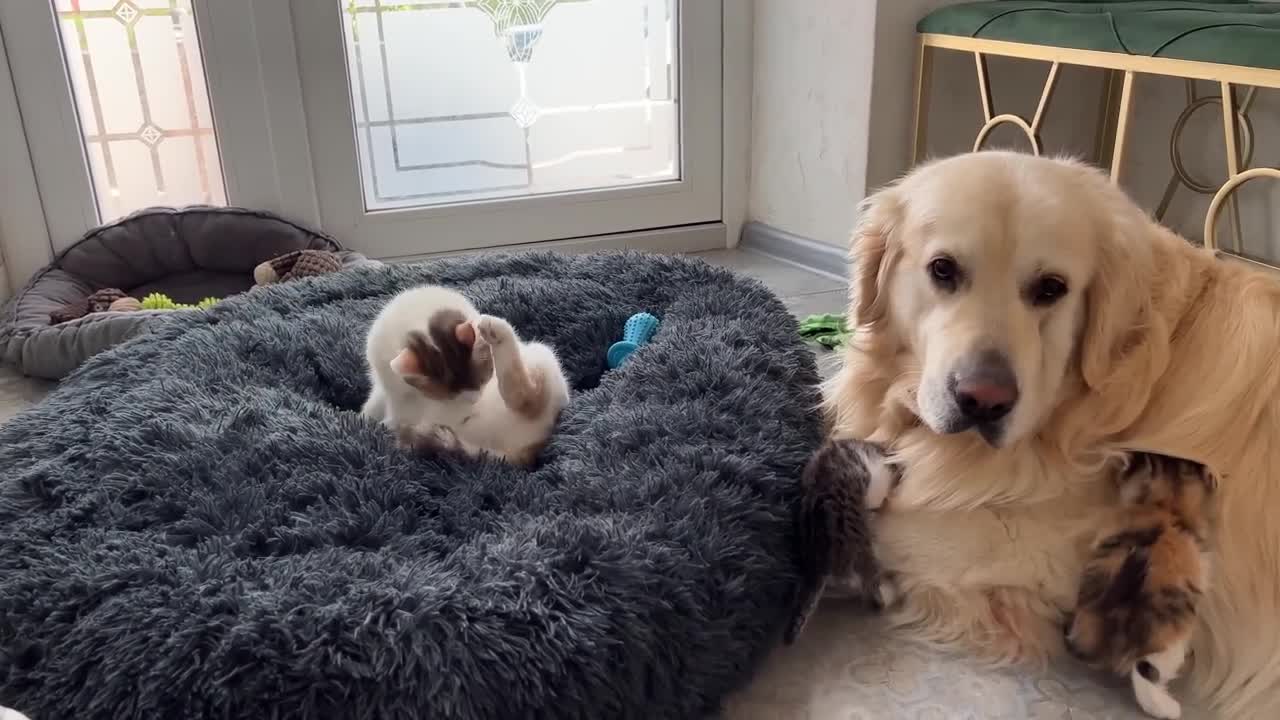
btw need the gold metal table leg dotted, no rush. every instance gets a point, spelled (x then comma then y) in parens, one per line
(924, 82)
(1123, 112)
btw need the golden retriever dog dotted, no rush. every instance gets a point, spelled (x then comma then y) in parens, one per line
(1021, 326)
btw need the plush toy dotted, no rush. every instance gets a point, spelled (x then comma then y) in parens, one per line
(638, 330)
(69, 312)
(126, 304)
(828, 330)
(99, 301)
(114, 300)
(296, 264)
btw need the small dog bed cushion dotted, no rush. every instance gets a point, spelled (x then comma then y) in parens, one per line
(199, 523)
(188, 254)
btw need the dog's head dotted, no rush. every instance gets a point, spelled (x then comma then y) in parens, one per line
(1006, 281)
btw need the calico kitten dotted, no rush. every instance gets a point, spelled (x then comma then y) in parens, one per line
(1138, 595)
(840, 487)
(443, 375)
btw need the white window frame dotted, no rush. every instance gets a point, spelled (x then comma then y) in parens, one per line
(692, 199)
(53, 138)
(24, 235)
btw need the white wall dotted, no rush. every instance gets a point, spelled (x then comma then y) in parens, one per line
(4, 281)
(802, 105)
(810, 114)
(24, 243)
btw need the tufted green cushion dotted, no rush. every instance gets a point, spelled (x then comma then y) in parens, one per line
(1234, 32)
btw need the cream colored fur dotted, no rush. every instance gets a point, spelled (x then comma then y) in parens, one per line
(1158, 346)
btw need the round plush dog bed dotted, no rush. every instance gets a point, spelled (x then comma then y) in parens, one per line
(189, 254)
(199, 523)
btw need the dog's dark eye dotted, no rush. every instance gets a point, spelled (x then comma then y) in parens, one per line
(1048, 290)
(945, 272)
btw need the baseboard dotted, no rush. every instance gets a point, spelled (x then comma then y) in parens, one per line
(789, 247)
(673, 240)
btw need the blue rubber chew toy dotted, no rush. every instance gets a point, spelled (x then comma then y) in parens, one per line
(639, 328)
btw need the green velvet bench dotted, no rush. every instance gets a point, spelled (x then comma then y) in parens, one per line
(1234, 43)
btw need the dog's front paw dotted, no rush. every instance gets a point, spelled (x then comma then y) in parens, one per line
(495, 331)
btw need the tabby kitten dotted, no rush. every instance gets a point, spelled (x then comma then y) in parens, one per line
(1137, 604)
(842, 484)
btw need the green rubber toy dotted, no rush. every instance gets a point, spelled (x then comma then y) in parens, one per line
(829, 330)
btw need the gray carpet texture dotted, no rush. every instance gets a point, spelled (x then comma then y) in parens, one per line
(198, 523)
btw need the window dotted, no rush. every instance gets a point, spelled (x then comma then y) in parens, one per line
(139, 88)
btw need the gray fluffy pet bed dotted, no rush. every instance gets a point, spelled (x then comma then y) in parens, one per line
(199, 524)
(187, 253)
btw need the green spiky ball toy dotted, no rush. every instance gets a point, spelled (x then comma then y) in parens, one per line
(160, 301)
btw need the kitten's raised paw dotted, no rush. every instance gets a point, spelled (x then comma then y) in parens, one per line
(494, 330)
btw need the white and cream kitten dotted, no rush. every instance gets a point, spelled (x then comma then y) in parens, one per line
(442, 374)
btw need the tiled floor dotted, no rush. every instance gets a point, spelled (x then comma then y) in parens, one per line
(804, 293)
(845, 665)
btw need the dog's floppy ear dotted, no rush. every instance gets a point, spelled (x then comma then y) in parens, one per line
(1125, 344)
(873, 251)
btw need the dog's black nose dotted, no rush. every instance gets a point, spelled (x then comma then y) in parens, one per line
(986, 390)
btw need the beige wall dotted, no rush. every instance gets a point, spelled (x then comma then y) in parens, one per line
(878, 141)
(809, 118)
(4, 281)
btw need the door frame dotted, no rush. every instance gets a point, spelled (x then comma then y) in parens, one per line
(737, 49)
(692, 198)
(49, 119)
(24, 234)
(251, 68)
(252, 76)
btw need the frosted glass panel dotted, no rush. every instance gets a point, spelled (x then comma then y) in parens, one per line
(458, 101)
(139, 87)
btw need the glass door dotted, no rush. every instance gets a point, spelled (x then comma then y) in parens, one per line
(402, 128)
(442, 126)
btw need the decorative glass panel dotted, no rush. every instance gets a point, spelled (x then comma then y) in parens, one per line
(458, 101)
(140, 91)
